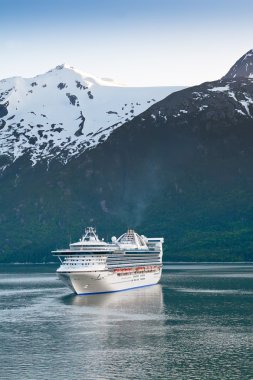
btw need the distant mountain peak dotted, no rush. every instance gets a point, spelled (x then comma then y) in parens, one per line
(87, 77)
(243, 68)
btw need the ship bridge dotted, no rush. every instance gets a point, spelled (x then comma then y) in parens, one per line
(89, 239)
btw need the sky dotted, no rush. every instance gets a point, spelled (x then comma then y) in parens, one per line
(136, 42)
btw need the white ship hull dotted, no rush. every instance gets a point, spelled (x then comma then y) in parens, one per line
(98, 282)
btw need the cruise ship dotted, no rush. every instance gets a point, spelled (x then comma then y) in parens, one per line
(93, 266)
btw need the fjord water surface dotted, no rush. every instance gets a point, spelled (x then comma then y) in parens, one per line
(196, 324)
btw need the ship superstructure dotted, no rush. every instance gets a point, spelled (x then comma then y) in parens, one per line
(93, 266)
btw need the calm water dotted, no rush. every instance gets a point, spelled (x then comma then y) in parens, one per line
(197, 324)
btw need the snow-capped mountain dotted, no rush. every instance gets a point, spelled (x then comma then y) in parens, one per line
(243, 68)
(181, 169)
(64, 111)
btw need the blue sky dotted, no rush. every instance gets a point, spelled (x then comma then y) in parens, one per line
(138, 42)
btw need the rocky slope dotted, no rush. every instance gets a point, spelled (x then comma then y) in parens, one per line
(243, 68)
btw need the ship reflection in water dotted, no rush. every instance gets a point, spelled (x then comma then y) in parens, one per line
(143, 300)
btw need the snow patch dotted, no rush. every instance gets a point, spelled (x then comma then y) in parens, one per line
(240, 111)
(219, 89)
(203, 107)
(246, 103)
(232, 95)
(197, 95)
